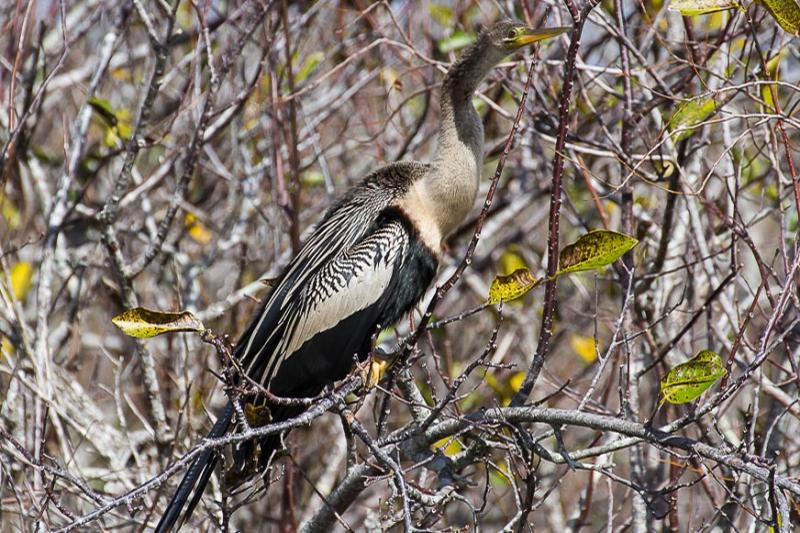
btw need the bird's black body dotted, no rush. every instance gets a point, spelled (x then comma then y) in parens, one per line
(369, 261)
(386, 240)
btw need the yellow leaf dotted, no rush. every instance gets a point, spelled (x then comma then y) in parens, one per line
(21, 279)
(687, 381)
(197, 230)
(5, 347)
(448, 445)
(511, 261)
(144, 323)
(594, 250)
(584, 347)
(688, 115)
(9, 211)
(122, 74)
(515, 381)
(786, 13)
(110, 137)
(701, 7)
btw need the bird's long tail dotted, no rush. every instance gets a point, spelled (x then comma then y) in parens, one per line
(195, 480)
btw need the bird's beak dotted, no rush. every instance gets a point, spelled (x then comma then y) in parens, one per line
(532, 35)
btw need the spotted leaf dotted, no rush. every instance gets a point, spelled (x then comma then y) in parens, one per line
(594, 250)
(786, 13)
(688, 115)
(687, 381)
(511, 287)
(689, 8)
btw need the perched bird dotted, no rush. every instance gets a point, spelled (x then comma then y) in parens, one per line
(369, 261)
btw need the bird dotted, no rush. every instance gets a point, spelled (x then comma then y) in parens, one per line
(368, 262)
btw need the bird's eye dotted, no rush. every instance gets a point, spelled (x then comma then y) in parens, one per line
(512, 33)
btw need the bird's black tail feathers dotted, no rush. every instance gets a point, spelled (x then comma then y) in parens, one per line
(195, 480)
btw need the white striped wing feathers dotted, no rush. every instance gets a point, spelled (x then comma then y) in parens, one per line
(349, 284)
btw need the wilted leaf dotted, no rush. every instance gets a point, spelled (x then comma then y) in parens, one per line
(390, 79)
(701, 7)
(584, 347)
(664, 166)
(457, 40)
(689, 380)
(594, 250)
(689, 114)
(197, 230)
(144, 323)
(511, 287)
(257, 415)
(786, 13)
(21, 277)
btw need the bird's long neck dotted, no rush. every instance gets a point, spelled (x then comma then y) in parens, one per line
(453, 183)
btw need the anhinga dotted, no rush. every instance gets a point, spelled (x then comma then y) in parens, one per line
(369, 261)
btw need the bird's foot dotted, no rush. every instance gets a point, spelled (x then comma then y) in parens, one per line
(373, 369)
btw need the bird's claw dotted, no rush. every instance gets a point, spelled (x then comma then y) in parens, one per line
(372, 370)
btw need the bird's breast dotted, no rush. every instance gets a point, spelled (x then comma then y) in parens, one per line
(423, 218)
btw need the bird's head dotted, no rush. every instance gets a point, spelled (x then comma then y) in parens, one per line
(507, 35)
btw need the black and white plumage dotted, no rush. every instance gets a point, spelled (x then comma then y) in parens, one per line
(368, 262)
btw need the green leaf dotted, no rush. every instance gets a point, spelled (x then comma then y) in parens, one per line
(594, 250)
(144, 323)
(115, 122)
(511, 287)
(689, 380)
(442, 14)
(701, 7)
(104, 109)
(312, 60)
(688, 115)
(312, 178)
(773, 73)
(786, 13)
(457, 40)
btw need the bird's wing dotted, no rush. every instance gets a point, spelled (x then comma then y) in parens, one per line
(351, 283)
(344, 225)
